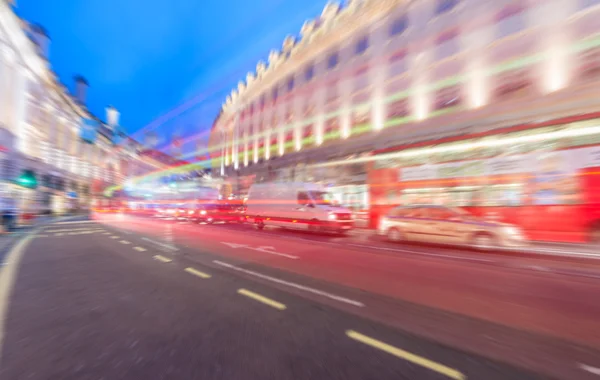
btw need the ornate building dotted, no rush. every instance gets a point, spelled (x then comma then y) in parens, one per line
(378, 73)
(46, 159)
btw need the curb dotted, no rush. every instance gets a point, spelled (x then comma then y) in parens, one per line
(9, 242)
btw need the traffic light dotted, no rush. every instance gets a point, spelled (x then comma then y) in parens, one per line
(27, 179)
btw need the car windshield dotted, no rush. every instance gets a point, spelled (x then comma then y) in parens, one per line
(323, 198)
(462, 213)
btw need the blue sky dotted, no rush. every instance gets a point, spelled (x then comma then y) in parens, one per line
(147, 57)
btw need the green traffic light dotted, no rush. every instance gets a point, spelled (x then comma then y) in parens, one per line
(27, 179)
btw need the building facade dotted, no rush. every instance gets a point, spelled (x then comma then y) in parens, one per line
(46, 161)
(378, 73)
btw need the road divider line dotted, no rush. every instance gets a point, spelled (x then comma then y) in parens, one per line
(590, 369)
(166, 246)
(290, 284)
(124, 242)
(197, 273)
(114, 237)
(408, 356)
(59, 234)
(263, 299)
(106, 233)
(140, 249)
(37, 236)
(162, 258)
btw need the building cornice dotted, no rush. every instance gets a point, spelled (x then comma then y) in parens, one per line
(332, 28)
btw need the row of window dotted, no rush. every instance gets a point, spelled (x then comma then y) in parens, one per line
(510, 20)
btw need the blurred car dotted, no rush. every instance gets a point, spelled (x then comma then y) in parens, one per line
(297, 206)
(448, 225)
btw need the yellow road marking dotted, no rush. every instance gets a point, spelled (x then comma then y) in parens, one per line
(259, 298)
(124, 242)
(114, 237)
(416, 359)
(162, 258)
(197, 273)
(140, 249)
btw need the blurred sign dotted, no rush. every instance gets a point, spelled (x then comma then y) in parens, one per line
(89, 130)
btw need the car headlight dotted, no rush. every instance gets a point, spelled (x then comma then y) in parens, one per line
(191, 212)
(331, 216)
(514, 231)
(203, 212)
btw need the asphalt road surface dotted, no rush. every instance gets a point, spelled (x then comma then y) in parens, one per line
(141, 300)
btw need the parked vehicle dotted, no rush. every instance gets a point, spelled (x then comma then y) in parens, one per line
(447, 225)
(298, 206)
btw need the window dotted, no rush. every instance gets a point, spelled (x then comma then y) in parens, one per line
(583, 4)
(447, 44)
(514, 83)
(444, 6)
(398, 26)
(262, 102)
(511, 20)
(397, 64)
(362, 45)
(590, 63)
(398, 108)
(447, 97)
(275, 94)
(441, 213)
(332, 61)
(303, 198)
(290, 83)
(309, 73)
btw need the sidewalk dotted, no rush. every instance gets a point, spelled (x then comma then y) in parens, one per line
(7, 239)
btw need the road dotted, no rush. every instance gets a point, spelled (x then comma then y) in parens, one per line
(131, 298)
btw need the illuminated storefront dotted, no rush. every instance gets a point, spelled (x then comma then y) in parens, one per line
(543, 177)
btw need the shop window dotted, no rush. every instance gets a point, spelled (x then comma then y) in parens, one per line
(511, 20)
(362, 45)
(332, 61)
(398, 26)
(447, 97)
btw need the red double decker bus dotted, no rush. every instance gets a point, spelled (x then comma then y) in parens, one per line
(542, 177)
